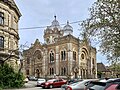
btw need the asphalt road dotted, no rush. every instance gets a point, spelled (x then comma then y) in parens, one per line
(31, 85)
(35, 88)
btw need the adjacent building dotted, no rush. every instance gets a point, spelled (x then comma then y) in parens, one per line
(9, 18)
(103, 71)
(62, 54)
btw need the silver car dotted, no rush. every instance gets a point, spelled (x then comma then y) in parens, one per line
(79, 85)
(39, 81)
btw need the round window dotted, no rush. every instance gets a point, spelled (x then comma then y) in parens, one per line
(82, 56)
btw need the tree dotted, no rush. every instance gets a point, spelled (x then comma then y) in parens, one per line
(115, 67)
(104, 23)
(9, 78)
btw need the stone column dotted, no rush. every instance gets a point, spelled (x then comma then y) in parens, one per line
(70, 58)
(57, 60)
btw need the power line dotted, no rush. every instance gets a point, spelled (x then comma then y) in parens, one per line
(46, 26)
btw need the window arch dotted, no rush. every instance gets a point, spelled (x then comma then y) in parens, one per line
(1, 42)
(51, 57)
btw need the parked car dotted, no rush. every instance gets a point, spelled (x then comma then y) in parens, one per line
(32, 78)
(111, 84)
(53, 83)
(71, 81)
(39, 81)
(79, 85)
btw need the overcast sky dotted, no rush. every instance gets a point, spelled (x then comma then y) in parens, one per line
(40, 13)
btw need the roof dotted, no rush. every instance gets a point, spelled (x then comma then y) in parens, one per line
(101, 67)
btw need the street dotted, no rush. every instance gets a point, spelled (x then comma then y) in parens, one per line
(31, 85)
(35, 88)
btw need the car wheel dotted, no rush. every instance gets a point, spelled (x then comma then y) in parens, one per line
(51, 86)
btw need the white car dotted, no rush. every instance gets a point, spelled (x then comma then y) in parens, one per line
(39, 81)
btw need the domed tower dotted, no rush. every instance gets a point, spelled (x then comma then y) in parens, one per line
(9, 18)
(52, 32)
(67, 29)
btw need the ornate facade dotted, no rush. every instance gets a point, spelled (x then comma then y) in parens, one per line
(62, 54)
(9, 17)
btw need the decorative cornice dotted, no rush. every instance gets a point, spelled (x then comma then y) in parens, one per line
(12, 4)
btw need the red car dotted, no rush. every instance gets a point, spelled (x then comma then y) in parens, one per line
(111, 84)
(53, 83)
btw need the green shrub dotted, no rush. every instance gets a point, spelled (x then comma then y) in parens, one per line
(10, 78)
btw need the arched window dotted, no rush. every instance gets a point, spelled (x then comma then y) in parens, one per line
(63, 55)
(51, 57)
(1, 42)
(1, 18)
(74, 55)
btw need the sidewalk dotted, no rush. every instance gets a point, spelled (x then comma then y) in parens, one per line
(30, 84)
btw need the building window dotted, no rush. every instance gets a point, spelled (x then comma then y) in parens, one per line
(28, 61)
(93, 61)
(27, 72)
(63, 71)
(51, 71)
(82, 56)
(1, 18)
(51, 57)
(63, 55)
(74, 55)
(1, 42)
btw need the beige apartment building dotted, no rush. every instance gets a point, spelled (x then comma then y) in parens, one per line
(9, 18)
(61, 54)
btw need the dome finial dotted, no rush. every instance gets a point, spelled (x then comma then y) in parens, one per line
(55, 17)
(67, 22)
